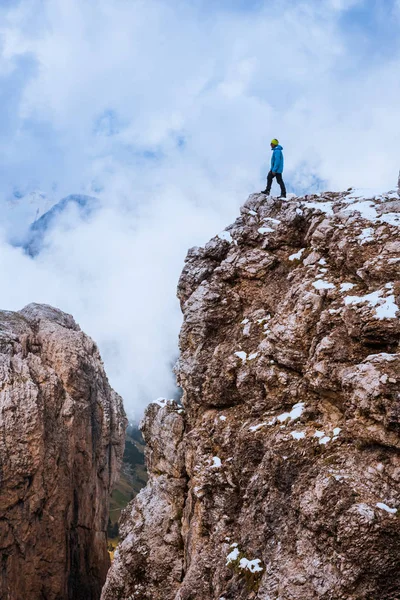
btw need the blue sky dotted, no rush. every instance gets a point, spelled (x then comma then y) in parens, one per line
(164, 109)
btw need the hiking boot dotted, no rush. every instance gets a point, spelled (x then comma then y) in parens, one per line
(266, 192)
(281, 197)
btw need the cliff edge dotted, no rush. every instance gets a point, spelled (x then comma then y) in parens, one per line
(279, 478)
(61, 443)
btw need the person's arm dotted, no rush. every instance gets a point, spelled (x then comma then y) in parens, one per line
(278, 159)
(273, 163)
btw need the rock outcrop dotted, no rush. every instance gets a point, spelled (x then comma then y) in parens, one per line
(61, 443)
(279, 478)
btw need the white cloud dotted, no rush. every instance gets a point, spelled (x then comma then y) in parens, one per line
(342, 5)
(201, 87)
(117, 275)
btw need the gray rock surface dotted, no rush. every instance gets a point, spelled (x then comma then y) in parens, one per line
(280, 479)
(61, 443)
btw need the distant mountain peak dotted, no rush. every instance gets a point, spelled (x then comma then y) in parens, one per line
(38, 230)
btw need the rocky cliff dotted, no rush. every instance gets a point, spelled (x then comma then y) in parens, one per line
(61, 443)
(279, 478)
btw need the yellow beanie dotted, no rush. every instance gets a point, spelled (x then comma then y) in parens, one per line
(275, 142)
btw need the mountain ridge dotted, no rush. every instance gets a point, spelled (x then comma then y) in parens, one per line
(36, 235)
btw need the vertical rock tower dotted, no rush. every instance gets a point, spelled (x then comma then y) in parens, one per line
(61, 443)
(279, 479)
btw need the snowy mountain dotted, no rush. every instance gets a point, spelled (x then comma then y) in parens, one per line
(35, 239)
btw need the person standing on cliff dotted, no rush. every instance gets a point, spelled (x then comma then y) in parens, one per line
(276, 169)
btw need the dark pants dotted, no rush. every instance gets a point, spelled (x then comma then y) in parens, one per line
(279, 180)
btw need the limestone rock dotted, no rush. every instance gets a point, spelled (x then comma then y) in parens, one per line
(151, 550)
(280, 479)
(61, 443)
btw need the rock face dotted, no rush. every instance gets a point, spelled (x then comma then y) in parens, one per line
(280, 478)
(61, 443)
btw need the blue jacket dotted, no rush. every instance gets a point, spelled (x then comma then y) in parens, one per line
(277, 160)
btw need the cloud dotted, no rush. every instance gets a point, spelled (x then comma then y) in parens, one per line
(164, 111)
(344, 5)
